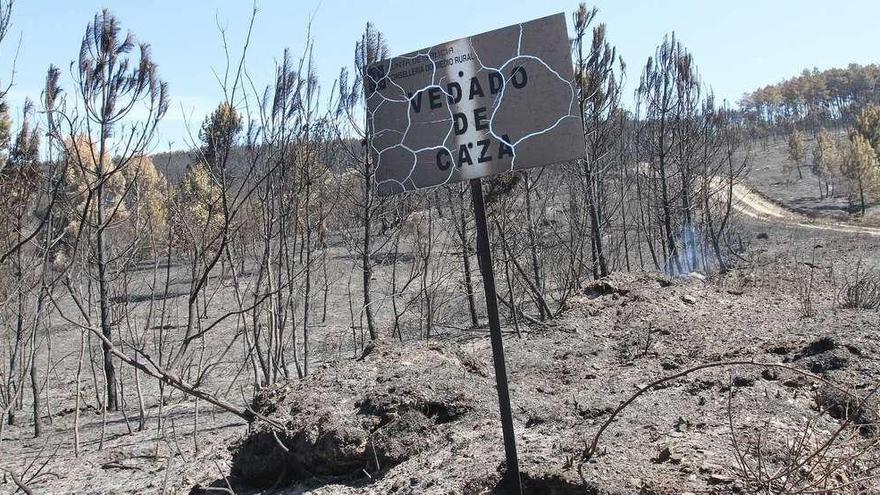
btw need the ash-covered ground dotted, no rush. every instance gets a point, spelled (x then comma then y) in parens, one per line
(421, 416)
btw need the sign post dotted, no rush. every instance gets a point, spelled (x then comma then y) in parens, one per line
(484, 256)
(475, 107)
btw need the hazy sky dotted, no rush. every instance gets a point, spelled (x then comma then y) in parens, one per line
(737, 46)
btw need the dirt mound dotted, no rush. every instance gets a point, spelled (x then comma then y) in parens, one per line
(823, 355)
(849, 407)
(360, 417)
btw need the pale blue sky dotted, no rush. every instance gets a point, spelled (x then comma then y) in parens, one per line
(738, 46)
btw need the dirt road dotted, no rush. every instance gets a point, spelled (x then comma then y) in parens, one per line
(756, 206)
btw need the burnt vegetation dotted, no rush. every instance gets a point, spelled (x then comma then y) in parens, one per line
(258, 277)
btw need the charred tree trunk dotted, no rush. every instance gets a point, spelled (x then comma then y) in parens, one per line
(466, 265)
(366, 262)
(103, 289)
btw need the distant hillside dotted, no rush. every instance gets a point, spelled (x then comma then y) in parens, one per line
(174, 164)
(815, 96)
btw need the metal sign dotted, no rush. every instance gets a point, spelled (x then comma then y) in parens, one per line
(474, 107)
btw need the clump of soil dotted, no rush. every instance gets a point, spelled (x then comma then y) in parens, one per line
(825, 354)
(359, 417)
(850, 407)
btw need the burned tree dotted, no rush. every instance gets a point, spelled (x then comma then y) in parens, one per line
(598, 78)
(694, 155)
(352, 116)
(111, 82)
